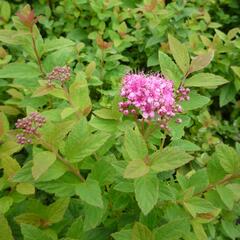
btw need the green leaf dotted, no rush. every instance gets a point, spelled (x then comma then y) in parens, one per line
(41, 163)
(19, 70)
(25, 188)
(185, 145)
(5, 203)
(135, 144)
(226, 196)
(229, 158)
(62, 187)
(199, 231)
(5, 10)
(56, 44)
(107, 114)
(169, 68)
(173, 230)
(201, 61)
(79, 94)
(123, 234)
(90, 192)
(5, 230)
(136, 169)
(169, 158)
(207, 80)
(75, 231)
(196, 101)
(146, 192)
(77, 149)
(54, 133)
(141, 232)
(198, 205)
(57, 210)
(93, 216)
(230, 229)
(180, 53)
(30, 232)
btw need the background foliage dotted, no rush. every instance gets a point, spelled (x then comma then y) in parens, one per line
(189, 190)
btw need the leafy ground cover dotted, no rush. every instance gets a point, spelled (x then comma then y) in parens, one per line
(119, 120)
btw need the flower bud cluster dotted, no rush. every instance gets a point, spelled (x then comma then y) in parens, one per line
(29, 126)
(151, 96)
(183, 94)
(61, 74)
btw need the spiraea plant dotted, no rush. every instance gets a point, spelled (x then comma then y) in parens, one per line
(82, 160)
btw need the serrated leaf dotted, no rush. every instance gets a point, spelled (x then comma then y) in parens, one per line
(90, 192)
(169, 68)
(201, 61)
(169, 158)
(42, 162)
(136, 169)
(207, 80)
(229, 158)
(77, 149)
(185, 145)
(180, 53)
(123, 234)
(146, 192)
(135, 144)
(141, 232)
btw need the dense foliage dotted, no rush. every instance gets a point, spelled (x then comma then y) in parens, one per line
(119, 119)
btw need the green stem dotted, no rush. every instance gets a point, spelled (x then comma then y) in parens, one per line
(36, 52)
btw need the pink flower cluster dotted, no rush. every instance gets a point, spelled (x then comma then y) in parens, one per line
(61, 74)
(151, 96)
(29, 126)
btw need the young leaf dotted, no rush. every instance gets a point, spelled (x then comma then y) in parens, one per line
(229, 158)
(135, 145)
(169, 68)
(169, 158)
(5, 230)
(205, 80)
(141, 232)
(123, 234)
(90, 192)
(41, 163)
(146, 192)
(136, 169)
(180, 53)
(201, 61)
